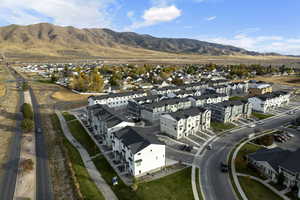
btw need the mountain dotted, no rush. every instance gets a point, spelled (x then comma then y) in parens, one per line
(50, 40)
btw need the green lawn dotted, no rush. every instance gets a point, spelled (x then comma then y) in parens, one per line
(261, 116)
(87, 187)
(80, 135)
(219, 127)
(175, 186)
(236, 98)
(68, 117)
(257, 191)
(240, 162)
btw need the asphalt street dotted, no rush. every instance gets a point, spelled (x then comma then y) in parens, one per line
(8, 182)
(215, 184)
(43, 185)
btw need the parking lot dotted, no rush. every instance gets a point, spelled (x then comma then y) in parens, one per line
(291, 144)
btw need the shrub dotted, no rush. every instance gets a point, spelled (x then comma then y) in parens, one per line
(27, 125)
(27, 111)
(26, 165)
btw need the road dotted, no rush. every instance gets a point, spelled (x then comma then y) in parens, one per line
(8, 182)
(215, 184)
(43, 185)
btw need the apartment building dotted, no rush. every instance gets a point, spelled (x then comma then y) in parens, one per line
(198, 101)
(268, 101)
(259, 89)
(138, 150)
(105, 121)
(152, 112)
(229, 111)
(115, 99)
(185, 122)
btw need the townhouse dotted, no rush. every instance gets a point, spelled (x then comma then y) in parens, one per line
(229, 111)
(105, 121)
(206, 99)
(165, 90)
(278, 162)
(152, 112)
(259, 89)
(239, 88)
(115, 99)
(138, 150)
(268, 101)
(185, 122)
(135, 105)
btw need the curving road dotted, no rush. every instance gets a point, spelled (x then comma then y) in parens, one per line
(216, 185)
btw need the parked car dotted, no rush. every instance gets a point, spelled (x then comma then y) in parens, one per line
(224, 167)
(251, 125)
(209, 147)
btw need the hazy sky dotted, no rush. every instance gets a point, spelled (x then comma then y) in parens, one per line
(260, 25)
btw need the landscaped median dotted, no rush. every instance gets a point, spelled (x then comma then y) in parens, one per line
(174, 186)
(261, 116)
(252, 189)
(220, 127)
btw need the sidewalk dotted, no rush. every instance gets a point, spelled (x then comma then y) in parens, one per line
(265, 184)
(90, 167)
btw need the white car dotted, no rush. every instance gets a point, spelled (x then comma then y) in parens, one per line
(290, 135)
(251, 125)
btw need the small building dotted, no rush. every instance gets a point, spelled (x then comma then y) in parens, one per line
(185, 122)
(138, 149)
(259, 89)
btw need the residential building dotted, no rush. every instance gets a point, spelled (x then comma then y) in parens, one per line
(229, 111)
(272, 162)
(198, 101)
(105, 121)
(152, 112)
(268, 101)
(239, 88)
(259, 89)
(138, 150)
(185, 122)
(115, 99)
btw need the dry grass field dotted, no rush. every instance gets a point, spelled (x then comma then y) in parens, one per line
(7, 116)
(293, 81)
(66, 95)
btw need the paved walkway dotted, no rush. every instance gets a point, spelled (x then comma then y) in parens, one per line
(91, 168)
(265, 184)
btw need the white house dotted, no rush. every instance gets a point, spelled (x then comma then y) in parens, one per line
(185, 122)
(138, 150)
(268, 101)
(115, 99)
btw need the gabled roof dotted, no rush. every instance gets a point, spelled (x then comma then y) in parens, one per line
(183, 114)
(278, 157)
(138, 138)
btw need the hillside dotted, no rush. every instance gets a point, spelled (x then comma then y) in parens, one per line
(50, 40)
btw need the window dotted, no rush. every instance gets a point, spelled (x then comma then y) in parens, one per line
(139, 154)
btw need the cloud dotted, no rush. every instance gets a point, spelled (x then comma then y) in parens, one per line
(263, 44)
(89, 13)
(211, 18)
(156, 15)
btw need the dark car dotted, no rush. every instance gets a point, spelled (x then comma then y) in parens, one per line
(224, 167)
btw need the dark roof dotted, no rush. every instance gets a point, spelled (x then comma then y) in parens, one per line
(137, 138)
(230, 103)
(271, 95)
(112, 95)
(183, 114)
(165, 102)
(278, 157)
(207, 96)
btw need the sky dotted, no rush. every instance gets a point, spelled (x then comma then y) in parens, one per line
(257, 25)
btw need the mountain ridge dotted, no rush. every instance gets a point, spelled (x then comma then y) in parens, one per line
(45, 38)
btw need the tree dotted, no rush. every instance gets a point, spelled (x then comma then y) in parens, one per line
(96, 83)
(27, 125)
(25, 86)
(177, 81)
(27, 111)
(266, 140)
(27, 165)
